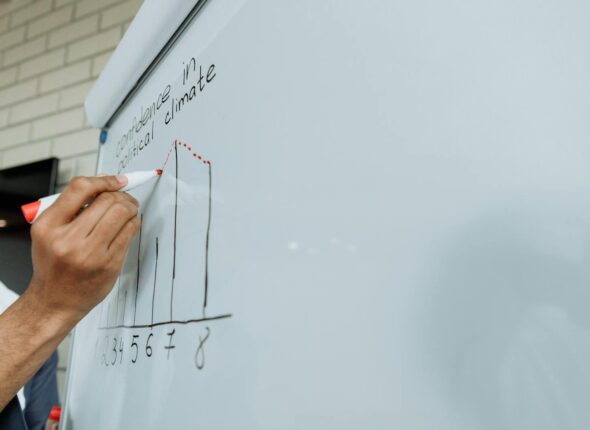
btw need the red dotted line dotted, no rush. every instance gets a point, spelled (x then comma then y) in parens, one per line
(178, 143)
(194, 154)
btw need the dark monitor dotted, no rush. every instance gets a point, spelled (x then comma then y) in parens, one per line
(20, 185)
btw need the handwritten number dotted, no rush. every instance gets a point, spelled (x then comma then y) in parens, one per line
(134, 344)
(114, 360)
(104, 354)
(170, 346)
(200, 354)
(121, 350)
(148, 348)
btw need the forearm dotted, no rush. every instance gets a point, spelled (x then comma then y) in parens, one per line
(77, 256)
(29, 333)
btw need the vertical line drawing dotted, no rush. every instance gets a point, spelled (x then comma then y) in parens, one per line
(118, 291)
(155, 278)
(115, 303)
(101, 312)
(175, 220)
(138, 269)
(124, 305)
(207, 243)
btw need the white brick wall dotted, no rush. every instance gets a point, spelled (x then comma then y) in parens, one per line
(51, 51)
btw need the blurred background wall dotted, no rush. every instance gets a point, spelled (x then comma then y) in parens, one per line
(51, 51)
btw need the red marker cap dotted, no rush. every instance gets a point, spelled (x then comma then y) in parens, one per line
(30, 210)
(55, 413)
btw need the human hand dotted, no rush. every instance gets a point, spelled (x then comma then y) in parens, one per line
(78, 253)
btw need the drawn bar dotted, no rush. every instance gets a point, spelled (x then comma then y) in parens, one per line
(138, 267)
(207, 245)
(155, 278)
(175, 220)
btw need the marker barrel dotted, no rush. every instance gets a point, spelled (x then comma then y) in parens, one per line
(31, 211)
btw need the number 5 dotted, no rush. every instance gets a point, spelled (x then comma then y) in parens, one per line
(134, 344)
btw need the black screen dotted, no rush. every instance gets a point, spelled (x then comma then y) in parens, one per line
(18, 186)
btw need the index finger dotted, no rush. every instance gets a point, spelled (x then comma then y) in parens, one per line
(78, 192)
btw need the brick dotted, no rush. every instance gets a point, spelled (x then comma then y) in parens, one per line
(87, 163)
(7, 7)
(99, 62)
(60, 3)
(119, 14)
(42, 64)
(11, 38)
(26, 14)
(66, 170)
(84, 165)
(26, 154)
(89, 6)
(61, 375)
(94, 44)
(63, 350)
(73, 31)
(3, 117)
(3, 24)
(24, 51)
(63, 77)
(16, 93)
(58, 124)
(74, 96)
(35, 108)
(14, 135)
(49, 22)
(76, 143)
(7, 77)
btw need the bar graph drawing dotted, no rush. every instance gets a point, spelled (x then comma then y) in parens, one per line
(139, 294)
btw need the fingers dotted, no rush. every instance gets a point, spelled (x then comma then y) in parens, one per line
(120, 243)
(51, 425)
(109, 225)
(85, 223)
(78, 192)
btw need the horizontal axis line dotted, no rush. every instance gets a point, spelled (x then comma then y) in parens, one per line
(219, 317)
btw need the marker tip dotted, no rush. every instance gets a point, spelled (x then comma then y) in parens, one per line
(159, 172)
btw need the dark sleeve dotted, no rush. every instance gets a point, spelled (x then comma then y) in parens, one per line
(11, 417)
(41, 394)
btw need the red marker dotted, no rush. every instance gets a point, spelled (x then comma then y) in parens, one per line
(31, 211)
(54, 415)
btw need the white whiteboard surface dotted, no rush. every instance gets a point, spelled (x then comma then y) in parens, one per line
(399, 225)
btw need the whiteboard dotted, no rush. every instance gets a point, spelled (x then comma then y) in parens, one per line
(372, 215)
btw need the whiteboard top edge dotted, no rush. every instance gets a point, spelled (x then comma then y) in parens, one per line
(148, 33)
